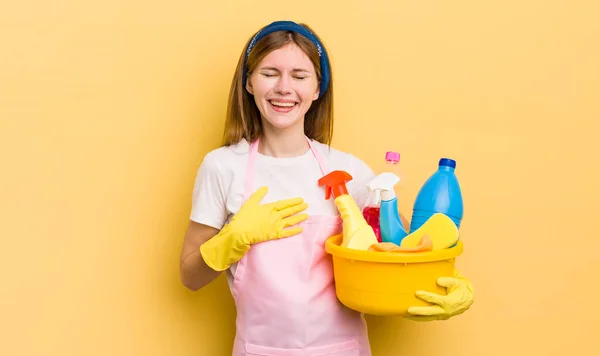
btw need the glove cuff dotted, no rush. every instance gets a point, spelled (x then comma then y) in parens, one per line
(223, 249)
(463, 279)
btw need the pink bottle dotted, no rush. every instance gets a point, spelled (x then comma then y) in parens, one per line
(371, 210)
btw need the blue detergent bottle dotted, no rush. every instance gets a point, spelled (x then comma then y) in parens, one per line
(440, 194)
(390, 224)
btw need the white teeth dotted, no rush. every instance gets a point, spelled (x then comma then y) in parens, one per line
(278, 103)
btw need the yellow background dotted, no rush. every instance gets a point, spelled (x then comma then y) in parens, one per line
(107, 108)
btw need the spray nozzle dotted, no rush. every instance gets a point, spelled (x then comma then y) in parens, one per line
(335, 183)
(385, 183)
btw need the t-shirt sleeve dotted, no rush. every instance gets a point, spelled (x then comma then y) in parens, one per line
(209, 195)
(362, 174)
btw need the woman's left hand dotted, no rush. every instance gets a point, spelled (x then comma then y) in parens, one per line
(458, 299)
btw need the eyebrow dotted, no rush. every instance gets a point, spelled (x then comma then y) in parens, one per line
(293, 70)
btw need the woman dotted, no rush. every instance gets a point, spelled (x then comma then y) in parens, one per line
(270, 241)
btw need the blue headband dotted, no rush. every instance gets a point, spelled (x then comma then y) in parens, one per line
(294, 27)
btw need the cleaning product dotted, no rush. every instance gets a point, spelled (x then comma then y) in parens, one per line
(371, 213)
(391, 226)
(439, 228)
(441, 193)
(357, 234)
(372, 210)
(391, 163)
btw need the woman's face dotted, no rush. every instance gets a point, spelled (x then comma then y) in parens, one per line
(284, 85)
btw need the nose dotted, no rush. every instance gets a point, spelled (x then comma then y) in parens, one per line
(284, 85)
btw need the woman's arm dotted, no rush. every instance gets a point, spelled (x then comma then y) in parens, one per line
(207, 217)
(193, 271)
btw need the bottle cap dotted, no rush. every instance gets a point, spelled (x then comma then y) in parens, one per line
(392, 156)
(447, 162)
(335, 183)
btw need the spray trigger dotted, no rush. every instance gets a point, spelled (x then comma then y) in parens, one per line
(335, 183)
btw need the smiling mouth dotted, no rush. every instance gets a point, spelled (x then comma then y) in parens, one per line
(282, 104)
(283, 107)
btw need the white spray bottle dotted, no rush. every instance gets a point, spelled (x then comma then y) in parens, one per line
(390, 224)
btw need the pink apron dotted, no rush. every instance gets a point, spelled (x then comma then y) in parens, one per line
(285, 295)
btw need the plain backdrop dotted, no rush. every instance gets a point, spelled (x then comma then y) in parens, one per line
(108, 107)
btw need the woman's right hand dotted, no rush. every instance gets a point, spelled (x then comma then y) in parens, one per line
(253, 223)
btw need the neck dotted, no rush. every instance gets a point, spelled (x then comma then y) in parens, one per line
(283, 144)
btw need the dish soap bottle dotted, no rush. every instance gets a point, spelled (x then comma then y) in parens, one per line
(357, 234)
(392, 229)
(441, 193)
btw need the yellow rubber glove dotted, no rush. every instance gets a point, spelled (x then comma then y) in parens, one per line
(458, 299)
(253, 223)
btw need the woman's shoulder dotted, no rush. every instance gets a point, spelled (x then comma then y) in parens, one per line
(231, 151)
(225, 160)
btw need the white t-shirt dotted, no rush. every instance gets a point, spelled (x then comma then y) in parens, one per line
(219, 186)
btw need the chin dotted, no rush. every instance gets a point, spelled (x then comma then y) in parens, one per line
(284, 123)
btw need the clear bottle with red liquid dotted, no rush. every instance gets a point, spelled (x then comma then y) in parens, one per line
(371, 210)
(371, 215)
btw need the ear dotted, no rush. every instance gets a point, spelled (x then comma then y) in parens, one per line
(249, 85)
(316, 96)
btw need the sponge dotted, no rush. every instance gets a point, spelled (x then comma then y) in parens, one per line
(439, 228)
